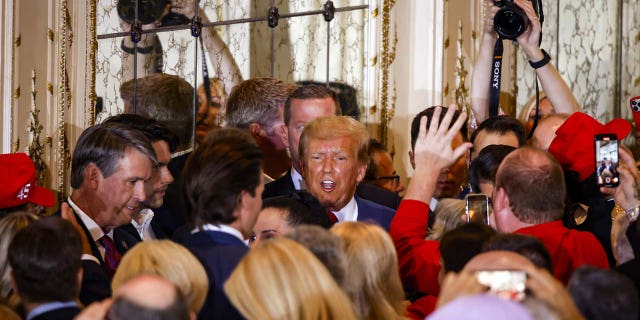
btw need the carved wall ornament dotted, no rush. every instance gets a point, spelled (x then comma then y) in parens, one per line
(36, 148)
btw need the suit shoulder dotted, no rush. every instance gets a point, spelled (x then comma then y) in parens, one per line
(279, 187)
(370, 205)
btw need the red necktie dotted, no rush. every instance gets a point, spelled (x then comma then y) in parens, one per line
(332, 217)
(111, 255)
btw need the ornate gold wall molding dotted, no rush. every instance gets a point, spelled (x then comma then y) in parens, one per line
(387, 54)
(36, 148)
(64, 99)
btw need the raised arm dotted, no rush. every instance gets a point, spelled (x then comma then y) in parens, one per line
(480, 83)
(419, 259)
(625, 212)
(554, 86)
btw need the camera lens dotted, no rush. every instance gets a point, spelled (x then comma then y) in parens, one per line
(510, 22)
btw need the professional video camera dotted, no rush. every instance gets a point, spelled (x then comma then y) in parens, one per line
(511, 21)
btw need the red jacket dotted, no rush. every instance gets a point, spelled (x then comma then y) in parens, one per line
(569, 249)
(419, 259)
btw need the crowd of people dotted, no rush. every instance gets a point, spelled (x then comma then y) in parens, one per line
(282, 208)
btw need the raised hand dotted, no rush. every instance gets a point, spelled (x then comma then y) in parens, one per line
(457, 285)
(488, 13)
(433, 152)
(530, 39)
(433, 149)
(548, 289)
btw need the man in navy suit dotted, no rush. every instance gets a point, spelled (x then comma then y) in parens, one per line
(144, 225)
(334, 158)
(224, 184)
(110, 165)
(46, 268)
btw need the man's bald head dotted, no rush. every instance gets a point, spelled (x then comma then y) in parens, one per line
(534, 183)
(498, 260)
(149, 296)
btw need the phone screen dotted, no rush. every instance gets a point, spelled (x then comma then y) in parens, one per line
(477, 209)
(606, 148)
(508, 284)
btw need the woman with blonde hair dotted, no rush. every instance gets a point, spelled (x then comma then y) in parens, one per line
(9, 226)
(281, 279)
(372, 279)
(167, 260)
(448, 216)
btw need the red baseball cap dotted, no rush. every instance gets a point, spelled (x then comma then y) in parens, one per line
(573, 144)
(19, 182)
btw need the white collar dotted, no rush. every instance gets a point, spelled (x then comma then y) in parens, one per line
(94, 229)
(220, 228)
(297, 179)
(50, 306)
(433, 204)
(147, 215)
(180, 153)
(266, 178)
(349, 212)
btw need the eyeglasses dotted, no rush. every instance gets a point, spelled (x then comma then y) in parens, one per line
(394, 178)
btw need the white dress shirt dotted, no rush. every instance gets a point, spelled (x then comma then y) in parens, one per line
(144, 228)
(297, 179)
(348, 212)
(94, 229)
(221, 228)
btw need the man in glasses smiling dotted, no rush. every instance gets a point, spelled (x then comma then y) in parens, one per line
(380, 171)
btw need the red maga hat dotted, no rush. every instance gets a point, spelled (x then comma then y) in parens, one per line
(19, 182)
(573, 144)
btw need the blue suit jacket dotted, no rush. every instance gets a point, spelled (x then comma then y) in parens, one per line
(373, 212)
(59, 314)
(219, 253)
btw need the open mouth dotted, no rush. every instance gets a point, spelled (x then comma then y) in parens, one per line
(327, 185)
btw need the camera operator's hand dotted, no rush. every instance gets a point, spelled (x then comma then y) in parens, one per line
(530, 39)
(184, 7)
(488, 13)
(548, 289)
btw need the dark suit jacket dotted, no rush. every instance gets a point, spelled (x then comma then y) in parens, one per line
(171, 215)
(96, 283)
(219, 253)
(378, 195)
(59, 314)
(283, 186)
(127, 236)
(373, 212)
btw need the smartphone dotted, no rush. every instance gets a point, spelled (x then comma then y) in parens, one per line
(606, 149)
(507, 284)
(634, 103)
(477, 208)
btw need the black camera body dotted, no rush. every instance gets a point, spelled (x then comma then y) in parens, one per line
(148, 10)
(511, 21)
